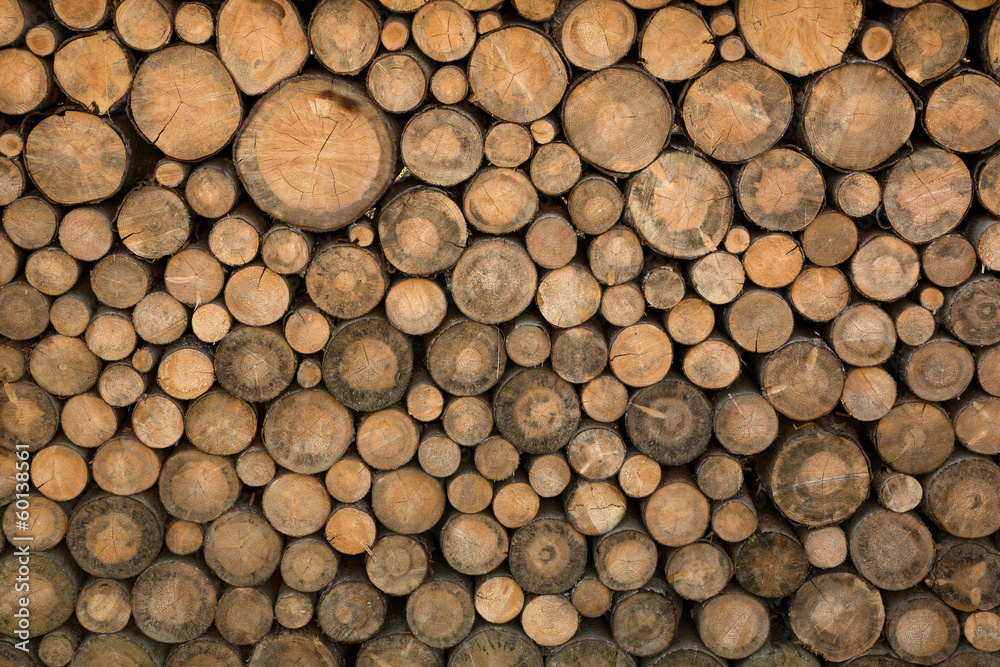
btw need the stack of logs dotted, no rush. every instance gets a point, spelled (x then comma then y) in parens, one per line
(462, 332)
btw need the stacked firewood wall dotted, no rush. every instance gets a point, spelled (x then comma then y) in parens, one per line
(469, 332)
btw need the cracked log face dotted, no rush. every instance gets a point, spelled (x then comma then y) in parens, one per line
(185, 103)
(344, 34)
(26, 81)
(618, 119)
(837, 615)
(961, 113)
(54, 585)
(815, 476)
(596, 33)
(737, 110)
(796, 37)
(422, 231)
(857, 116)
(316, 153)
(802, 379)
(76, 143)
(114, 536)
(442, 145)
(671, 421)
(517, 74)
(732, 624)
(929, 40)
(153, 222)
(676, 43)
(780, 189)
(94, 70)
(444, 31)
(254, 364)
(927, 194)
(681, 205)
(537, 411)
(174, 601)
(368, 364)
(261, 42)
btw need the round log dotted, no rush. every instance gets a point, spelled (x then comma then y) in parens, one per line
(883, 113)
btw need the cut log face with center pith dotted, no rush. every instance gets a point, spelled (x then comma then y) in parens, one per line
(342, 161)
